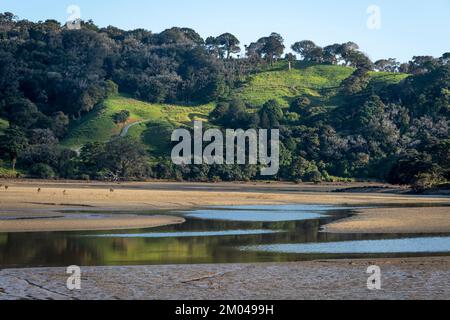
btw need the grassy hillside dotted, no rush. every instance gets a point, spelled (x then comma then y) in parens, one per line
(319, 82)
(380, 79)
(153, 123)
(98, 126)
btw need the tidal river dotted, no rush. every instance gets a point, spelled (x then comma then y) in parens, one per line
(240, 234)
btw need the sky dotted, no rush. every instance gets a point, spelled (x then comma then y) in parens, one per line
(392, 29)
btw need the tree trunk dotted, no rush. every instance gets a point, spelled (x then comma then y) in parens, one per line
(13, 163)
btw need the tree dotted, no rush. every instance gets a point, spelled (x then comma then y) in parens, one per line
(291, 58)
(299, 104)
(125, 158)
(12, 143)
(91, 158)
(331, 54)
(21, 112)
(121, 117)
(271, 47)
(42, 171)
(359, 60)
(356, 83)
(270, 115)
(59, 125)
(181, 36)
(309, 51)
(345, 50)
(445, 59)
(423, 64)
(228, 43)
(212, 45)
(387, 65)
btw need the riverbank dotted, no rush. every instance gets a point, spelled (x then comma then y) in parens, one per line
(39, 205)
(402, 279)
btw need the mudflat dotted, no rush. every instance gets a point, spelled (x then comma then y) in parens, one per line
(395, 220)
(402, 279)
(69, 222)
(43, 205)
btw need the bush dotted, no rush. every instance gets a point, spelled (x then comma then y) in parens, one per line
(121, 117)
(85, 177)
(425, 181)
(42, 171)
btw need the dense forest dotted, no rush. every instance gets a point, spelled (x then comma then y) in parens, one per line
(52, 76)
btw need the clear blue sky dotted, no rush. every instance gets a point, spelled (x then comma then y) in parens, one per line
(408, 27)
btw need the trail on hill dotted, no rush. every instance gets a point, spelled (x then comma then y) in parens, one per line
(122, 134)
(127, 128)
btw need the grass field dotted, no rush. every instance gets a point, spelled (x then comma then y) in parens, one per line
(319, 82)
(98, 126)
(380, 79)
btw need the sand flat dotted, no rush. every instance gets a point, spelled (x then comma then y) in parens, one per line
(67, 223)
(402, 279)
(395, 220)
(23, 199)
(24, 195)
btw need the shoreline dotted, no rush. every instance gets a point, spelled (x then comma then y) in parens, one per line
(402, 279)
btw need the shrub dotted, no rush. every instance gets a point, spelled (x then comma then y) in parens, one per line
(121, 117)
(42, 171)
(425, 181)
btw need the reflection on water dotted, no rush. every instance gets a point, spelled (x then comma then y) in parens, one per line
(283, 207)
(254, 216)
(185, 234)
(208, 236)
(412, 245)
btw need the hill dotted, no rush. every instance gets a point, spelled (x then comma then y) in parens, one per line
(98, 125)
(152, 123)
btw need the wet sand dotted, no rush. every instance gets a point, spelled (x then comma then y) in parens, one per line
(22, 200)
(402, 279)
(80, 222)
(395, 220)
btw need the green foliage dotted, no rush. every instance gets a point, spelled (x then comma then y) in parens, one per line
(42, 171)
(6, 173)
(122, 158)
(121, 117)
(4, 124)
(12, 143)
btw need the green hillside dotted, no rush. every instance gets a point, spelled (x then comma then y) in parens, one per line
(153, 122)
(98, 126)
(319, 82)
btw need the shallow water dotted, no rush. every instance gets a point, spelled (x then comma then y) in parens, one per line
(254, 216)
(277, 233)
(185, 234)
(412, 245)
